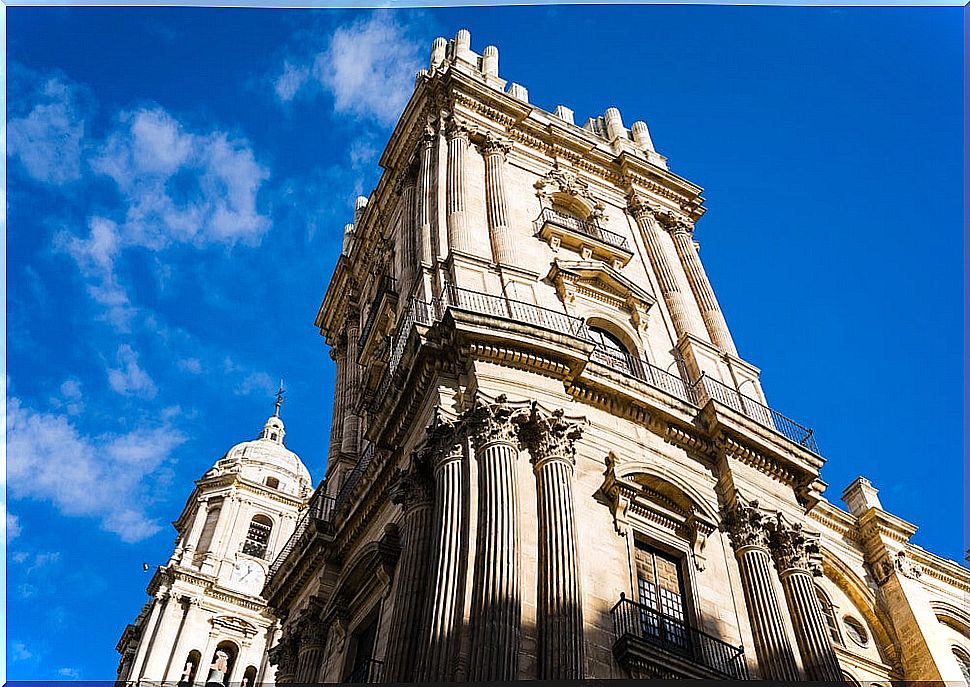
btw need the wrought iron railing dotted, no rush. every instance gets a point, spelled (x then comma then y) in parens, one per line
(759, 412)
(642, 370)
(353, 477)
(321, 507)
(500, 306)
(370, 670)
(636, 622)
(579, 226)
(388, 285)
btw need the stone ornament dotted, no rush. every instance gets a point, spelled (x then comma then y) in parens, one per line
(568, 183)
(896, 562)
(747, 524)
(548, 436)
(493, 145)
(413, 487)
(491, 423)
(795, 549)
(457, 128)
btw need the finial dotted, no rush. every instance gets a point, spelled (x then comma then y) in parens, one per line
(279, 398)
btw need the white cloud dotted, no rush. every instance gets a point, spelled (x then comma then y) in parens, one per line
(49, 139)
(69, 673)
(128, 379)
(48, 458)
(71, 398)
(13, 526)
(191, 365)
(19, 556)
(256, 382)
(368, 67)
(20, 652)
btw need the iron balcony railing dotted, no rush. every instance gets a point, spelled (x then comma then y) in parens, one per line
(353, 477)
(759, 412)
(370, 670)
(645, 372)
(519, 311)
(550, 216)
(388, 285)
(635, 622)
(321, 508)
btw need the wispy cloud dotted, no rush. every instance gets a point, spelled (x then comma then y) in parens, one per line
(20, 652)
(13, 526)
(48, 140)
(368, 67)
(128, 379)
(69, 673)
(48, 458)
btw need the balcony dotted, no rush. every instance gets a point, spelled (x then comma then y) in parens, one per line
(651, 644)
(381, 307)
(321, 509)
(518, 311)
(369, 670)
(757, 411)
(651, 375)
(582, 236)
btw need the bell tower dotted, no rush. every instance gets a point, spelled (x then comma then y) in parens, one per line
(206, 621)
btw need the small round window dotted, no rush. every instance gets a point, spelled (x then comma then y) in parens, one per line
(856, 631)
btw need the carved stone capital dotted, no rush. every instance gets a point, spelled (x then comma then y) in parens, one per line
(457, 128)
(413, 487)
(896, 562)
(795, 549)
(675, 223)
(492, 145)
(442, 443)
(641, 207)
(747, 525)
(491, 423)
(548, 436)
(566, 182)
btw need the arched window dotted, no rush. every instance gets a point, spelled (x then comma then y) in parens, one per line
(611, 352)
(963, 660)
(849, 680)
(830, 620)
(225, 651)
(257, 539)
(191, 668)
(249, 677)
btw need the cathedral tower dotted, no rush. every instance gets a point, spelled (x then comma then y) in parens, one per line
(206, 621)
(548, 459)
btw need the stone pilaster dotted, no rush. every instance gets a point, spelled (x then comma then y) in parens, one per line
(348, 442)
(496, 202)
(339, 356)
(148, 633)
(414, 490)
(551, 441)
(456, 202)
(644, 214)
(798, 558)
(496, 608)
(682, 233)
(422, 198)
(443, 610)
(748, 528)
(311, 640)
(407, 250)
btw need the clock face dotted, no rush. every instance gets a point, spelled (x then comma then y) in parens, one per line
(248, 576)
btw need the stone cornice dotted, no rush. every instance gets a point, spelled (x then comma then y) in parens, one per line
(231, 480)
(946, 571)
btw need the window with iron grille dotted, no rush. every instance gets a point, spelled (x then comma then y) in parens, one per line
(829, 611)
(257, 539)
(660, 588)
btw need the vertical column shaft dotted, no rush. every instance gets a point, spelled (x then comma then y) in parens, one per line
(443, 612)
(348, 443)
(409, 235)
(458, 237)
(775, 657)
(701, 286)
(668, 284)
(405, 633)
(496, 608)
(422, 198)
(811, 629)
(149, 631)
(339, 355)
(308, 663)
(497, 211)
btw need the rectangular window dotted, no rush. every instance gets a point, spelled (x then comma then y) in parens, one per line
(661, 593)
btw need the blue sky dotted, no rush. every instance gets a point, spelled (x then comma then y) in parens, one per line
(178, 180)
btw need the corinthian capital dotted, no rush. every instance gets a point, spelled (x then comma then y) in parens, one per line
(457, 128)
(442, 443)
(493, 145)
(549, 436)
(794, 548)
(747, 524)
(675, 223)
(489, 423)
(413, 487)
(641, 207)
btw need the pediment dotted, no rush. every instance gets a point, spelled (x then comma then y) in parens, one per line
(601, 282)
(233, 625)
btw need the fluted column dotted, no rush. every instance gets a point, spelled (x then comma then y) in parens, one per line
(458, 236)
(443, 609)
(496, 604)
(422, 198)
(643, 213)
(496, 203)
(413, 490)
(348, 440)
(339, 355)
(747, 526)
(797, 556)
(407, 247)
(551, 441)
(313, 637)
(682, 233)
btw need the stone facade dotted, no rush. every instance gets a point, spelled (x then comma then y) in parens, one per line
(206, 599)
(547, 459)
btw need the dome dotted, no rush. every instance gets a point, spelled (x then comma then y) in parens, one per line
(267, 461)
